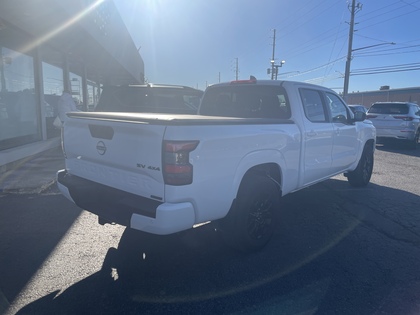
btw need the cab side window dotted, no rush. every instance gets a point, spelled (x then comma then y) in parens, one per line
(312, 105)
(338, 110)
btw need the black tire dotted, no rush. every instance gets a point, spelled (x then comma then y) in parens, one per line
(250, 223)
(361, 175)
(414, 144)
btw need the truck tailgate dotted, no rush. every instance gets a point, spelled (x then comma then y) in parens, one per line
(117, 152)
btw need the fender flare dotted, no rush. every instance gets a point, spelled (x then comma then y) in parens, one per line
(254, 159)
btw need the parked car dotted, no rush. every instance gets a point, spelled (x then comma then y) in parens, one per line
(396, 120)
(360, 108)
(150, 98)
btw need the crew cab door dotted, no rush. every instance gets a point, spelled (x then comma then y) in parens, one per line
(318, 135)
(345, 145)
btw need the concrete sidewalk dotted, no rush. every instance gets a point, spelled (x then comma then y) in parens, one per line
(33, 174)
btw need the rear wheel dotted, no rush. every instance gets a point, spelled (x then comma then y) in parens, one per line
(416, 141)
(250, 223)
(363, 172)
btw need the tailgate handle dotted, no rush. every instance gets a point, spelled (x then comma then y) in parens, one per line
(101, 132)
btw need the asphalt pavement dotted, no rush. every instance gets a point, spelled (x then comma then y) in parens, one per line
(337, 250)
(33, 174)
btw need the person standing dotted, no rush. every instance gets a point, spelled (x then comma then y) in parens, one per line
(66, 104)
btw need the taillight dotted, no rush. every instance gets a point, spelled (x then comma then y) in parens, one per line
(177, 169)
(371, 116)
(405, 118)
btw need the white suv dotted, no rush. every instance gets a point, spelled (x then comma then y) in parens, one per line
(396, 120)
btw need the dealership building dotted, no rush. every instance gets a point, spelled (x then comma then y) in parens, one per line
(385, 94)
(47, 46)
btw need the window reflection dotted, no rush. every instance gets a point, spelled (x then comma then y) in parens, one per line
(19, 123)
(93, 95)
(76, 89)
(53, 87)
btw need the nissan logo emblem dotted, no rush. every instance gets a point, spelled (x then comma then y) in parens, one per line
(101, 147)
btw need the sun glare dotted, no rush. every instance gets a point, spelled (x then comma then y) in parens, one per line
(62, 27)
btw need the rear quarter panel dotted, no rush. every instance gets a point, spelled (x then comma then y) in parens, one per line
(225, 153)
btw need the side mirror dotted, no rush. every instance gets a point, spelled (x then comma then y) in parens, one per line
(359, 116)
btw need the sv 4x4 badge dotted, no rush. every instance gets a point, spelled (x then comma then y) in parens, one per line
(152, 168)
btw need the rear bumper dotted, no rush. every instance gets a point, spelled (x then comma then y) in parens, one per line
(405, 134)
(124, 208)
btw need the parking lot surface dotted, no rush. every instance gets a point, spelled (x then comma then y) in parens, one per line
(337, 250)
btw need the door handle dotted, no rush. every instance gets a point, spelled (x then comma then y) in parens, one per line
(311, 134)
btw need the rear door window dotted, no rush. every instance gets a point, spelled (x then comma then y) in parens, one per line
(389, 109)
(246, 101)
(175, 100)
(138, 99)
(124, 99)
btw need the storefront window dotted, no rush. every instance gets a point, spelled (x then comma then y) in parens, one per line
(76, 89)
(19, 123)
(93, 95)
(53, 88)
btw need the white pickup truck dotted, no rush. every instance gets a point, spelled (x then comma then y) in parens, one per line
(252, 142)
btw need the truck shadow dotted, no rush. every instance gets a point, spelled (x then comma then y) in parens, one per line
(398, 147)
(337, 250)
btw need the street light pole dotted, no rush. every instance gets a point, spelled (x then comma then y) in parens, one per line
(277, 68)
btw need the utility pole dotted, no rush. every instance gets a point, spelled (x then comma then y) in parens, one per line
(353, 9)
(272, 58)
(237, 69)
(274, 68)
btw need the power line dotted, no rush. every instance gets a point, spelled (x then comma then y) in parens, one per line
(331, 36)
(377, 10)
(332, 76)
(374, 52)
(392, 66)
(387, 54)
(318, 68)
(387, 69)
(297, 17)
(391, 18)
(299, 23)
(327, 72)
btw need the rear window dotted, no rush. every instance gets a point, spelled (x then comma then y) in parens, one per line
(246, 101)
(389, 108)
(149, 100)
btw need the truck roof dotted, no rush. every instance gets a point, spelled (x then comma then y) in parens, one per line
(253, 81)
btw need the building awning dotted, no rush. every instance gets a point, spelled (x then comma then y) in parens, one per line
(91, 33)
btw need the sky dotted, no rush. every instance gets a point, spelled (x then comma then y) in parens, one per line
(197, 43)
